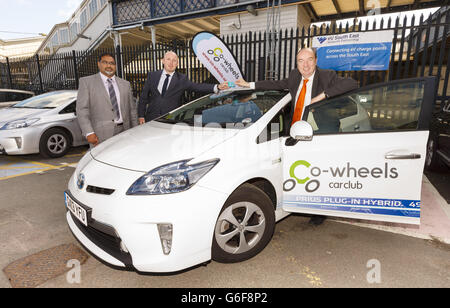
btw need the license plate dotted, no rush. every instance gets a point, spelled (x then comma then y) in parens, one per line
(78, 211)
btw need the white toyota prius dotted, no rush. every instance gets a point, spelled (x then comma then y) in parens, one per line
(210, 179)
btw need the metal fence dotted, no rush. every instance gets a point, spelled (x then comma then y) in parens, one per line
(420, 48)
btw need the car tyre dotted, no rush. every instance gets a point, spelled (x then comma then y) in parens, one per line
(54, 143)
(245, 225)
(432, 161)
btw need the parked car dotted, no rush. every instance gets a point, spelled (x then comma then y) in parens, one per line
(438, 146)
(9, 97)
(210, 179)
(44, 124)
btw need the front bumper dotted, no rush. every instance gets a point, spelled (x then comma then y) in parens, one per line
(133, 220)
(19, 141)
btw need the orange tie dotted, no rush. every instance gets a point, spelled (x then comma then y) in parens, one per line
(300, 102)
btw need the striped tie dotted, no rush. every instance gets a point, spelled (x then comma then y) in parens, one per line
(112, 96)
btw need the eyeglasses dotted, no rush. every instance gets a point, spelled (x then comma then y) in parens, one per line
(108, 63)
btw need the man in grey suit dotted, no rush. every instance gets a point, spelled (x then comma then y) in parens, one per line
(105, 104)
(163, 90)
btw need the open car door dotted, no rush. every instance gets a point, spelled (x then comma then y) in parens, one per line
(367, 153)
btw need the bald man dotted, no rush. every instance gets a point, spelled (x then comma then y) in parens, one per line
(164, 89)
(314, 85)
(320, 83)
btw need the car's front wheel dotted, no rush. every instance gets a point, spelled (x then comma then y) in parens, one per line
(54, 143)
(245, 225)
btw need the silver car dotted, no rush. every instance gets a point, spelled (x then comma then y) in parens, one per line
(44, 124)
(9, 97)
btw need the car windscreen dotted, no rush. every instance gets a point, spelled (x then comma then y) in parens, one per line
(237, 109)
(47, 101)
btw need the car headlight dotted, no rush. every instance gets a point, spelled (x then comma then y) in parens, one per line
(171, 178)
(19, 123)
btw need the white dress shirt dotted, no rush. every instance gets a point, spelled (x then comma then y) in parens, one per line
(116, 89)
(308, 94)
(163, 78)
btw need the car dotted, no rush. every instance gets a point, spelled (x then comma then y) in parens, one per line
(44, 124)
(438, 146)
(210, 179)
(9, 97)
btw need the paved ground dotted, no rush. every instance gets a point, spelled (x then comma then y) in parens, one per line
(334, 254)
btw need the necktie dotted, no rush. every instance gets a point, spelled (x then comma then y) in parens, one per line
(300, 102)
(113, 98)
(166, 82)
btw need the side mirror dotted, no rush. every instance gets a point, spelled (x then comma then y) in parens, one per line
(300, 131)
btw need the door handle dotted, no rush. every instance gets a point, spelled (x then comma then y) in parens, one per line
(402, 156)
(276, 161)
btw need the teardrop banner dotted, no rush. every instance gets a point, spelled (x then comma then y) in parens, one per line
(215, 55)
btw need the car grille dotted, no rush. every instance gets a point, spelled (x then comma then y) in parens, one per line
(99, 190)
(104, 237)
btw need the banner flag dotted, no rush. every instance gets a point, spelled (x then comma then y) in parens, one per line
(216, 57)
(356, 51)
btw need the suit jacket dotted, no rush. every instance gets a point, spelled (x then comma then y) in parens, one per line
(94, 109)
(152, 104)
(324, 81)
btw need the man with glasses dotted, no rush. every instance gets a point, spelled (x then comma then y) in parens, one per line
(105, 103)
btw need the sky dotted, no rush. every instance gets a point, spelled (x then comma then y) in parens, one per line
(33, 16)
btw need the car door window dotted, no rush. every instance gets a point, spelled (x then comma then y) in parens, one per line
(389, 107)
(275, 129)
(69, 109)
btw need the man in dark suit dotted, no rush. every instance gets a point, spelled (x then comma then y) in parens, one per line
(308, 84)
(164, 89)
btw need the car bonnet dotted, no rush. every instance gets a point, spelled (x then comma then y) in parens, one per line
(13, 114)
(148, 146)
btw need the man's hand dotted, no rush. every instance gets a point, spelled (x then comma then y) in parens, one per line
(223, 86)
(318, 98)
(92, 139)
(141, 121)
(242, 83)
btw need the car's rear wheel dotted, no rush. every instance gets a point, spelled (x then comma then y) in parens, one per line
(54, 143)
(245, 225)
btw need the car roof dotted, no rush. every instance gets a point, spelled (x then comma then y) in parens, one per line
(16, 90)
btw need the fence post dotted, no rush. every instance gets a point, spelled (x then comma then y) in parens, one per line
(9, 73)
(119, 61)
(41, 86)
(75, 69)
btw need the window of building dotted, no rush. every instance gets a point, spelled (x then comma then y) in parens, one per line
(54, 40)
(74, 31)
(63, 36)
(83, 19)
(92, 8)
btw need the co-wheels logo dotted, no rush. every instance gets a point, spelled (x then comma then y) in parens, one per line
(217, 52)
(342, 177)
